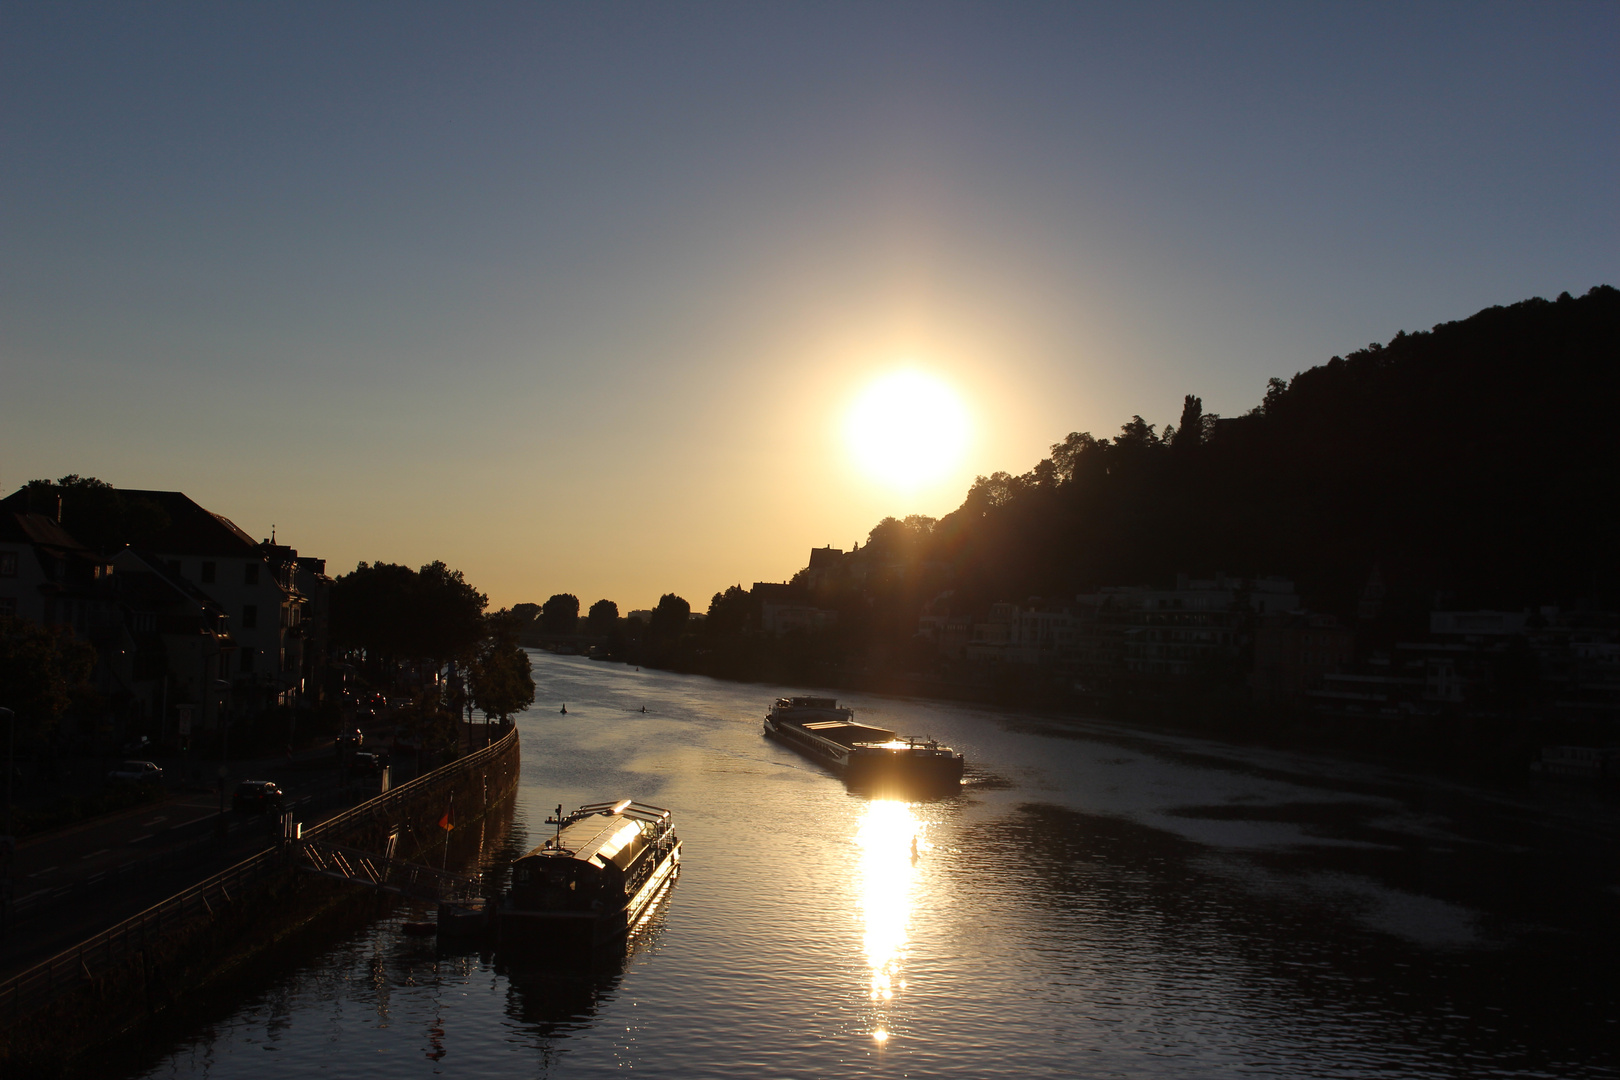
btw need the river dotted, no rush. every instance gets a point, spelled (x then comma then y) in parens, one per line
(1096, 903)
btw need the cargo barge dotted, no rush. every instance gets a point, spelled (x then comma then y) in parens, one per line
(592, 883)
(864, 755)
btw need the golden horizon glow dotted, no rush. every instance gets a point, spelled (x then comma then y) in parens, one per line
(908, 429)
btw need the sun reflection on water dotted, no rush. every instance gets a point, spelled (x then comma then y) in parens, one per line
(889, 839)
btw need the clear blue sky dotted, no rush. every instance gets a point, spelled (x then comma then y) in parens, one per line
(575, 296)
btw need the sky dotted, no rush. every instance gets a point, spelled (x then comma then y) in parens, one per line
(580, 297)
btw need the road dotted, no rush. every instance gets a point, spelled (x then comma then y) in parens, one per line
(69, 884)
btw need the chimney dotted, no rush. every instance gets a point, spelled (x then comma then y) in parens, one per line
(59, 508)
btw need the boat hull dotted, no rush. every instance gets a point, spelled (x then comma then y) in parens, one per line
(901, 769)
(581, 932)
(809, 744)
(914, 768)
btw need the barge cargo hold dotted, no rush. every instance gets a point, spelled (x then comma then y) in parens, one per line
(589, 885)
(865, 756)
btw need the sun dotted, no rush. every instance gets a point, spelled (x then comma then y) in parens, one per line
(908, 429)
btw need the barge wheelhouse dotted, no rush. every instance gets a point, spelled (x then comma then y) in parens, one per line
(864, 755)
(594, 880)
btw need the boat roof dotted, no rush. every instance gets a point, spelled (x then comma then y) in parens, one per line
(597, 832)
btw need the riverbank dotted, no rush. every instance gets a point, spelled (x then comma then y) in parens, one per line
(1495, 752)
(60, 1016)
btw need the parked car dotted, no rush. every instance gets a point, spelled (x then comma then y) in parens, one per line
(351, 740)
(366, 765)
(139, 772)
(256, 797)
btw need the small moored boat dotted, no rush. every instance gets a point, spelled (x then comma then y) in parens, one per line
(593, 881)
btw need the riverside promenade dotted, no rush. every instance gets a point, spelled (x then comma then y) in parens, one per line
(169, 952)
(68, 884)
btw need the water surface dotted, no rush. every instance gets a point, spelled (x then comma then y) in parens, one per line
(1095, 903)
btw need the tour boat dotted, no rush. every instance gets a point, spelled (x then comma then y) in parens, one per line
(591, 883)
(865, 756)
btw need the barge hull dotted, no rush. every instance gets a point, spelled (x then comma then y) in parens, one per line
(913, 768)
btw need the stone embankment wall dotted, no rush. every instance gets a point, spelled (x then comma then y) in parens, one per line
(57, 1012)
(465, 789)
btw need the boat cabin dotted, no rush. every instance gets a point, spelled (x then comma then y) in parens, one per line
(601, 855)
(808, 702)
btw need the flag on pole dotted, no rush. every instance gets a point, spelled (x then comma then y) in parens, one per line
(448, 822)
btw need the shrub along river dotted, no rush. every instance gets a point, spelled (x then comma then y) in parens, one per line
(1096, 902)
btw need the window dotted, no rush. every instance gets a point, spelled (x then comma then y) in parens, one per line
(208, 573)
(8, 605)
(8, 564)
(250, 573)
(247, 661)
(250, 616)
(145, 623)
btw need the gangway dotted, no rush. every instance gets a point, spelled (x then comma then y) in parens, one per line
(387, 874)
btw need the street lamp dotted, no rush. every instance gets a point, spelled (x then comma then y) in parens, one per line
(10, 852)
(11, 745)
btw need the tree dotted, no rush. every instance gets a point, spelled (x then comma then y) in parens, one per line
(449, 614)
(1067, 455)
(1277, 392)
(500, 677)
(371, 610)
(42, 670)
(560, 614)
(669, 618)
(888, 535)
(391, 612)
(1136, 435)
(96, 513)
(603, 617)
(1190, 432)
(730, 612)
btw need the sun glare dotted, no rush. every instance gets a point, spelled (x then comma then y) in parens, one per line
(908, 429)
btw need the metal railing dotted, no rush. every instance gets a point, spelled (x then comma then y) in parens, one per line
(373, 808)
(201, 848)
(388, 874)
(73, 968)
